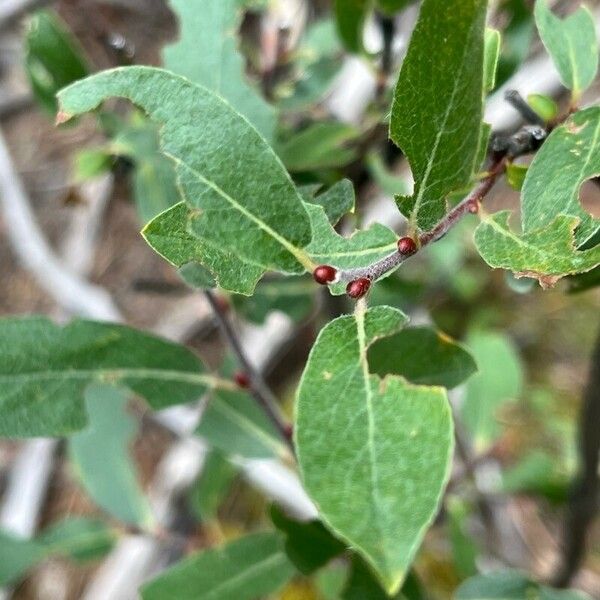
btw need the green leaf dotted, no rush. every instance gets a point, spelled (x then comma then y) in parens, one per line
(464, 550)
(308, 545)
(245, 201)
(361, 249)
(500, 379)
(543, 106)
(154, 180)
(491, 54)
(292, 296)
(537, 473)
(17, 556)
(546, 254)
(391, 7)
(77, 538)
(571, 43)
(374, 454)
(584, 281)
(206, 53)
(53, 59)
(101, 457)
(516, 38)
(350, 18)
(168, 235)
(438, 104)
(337, 200)
(249, 568)
(210, 490)
(515, 175)
(322, 145)
(90, 163)
(508, 585)
(45, 370)
(569, 156)
(234, 424)
(482, 151)
(196, 276)
(388, 182)
(330, 581)
(318, 61)
(362, 585)
(422, 355)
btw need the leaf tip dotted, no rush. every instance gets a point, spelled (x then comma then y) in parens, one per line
(62, 117)
(393, 583)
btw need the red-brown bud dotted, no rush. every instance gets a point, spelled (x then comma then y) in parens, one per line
(474, 207)
(242, 380)
(407, 246)
(223, 304)
(358, 288)
(324, 274)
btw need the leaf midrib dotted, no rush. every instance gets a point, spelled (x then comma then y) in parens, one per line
(240, 578)
(423, 184)
(374, 471)
(246, 425)
(114, 374)
(353, 253)
(300, 255)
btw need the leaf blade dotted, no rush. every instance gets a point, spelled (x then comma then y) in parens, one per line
(206, 53)
(222, 164)
(569, 156)
(355, 433)
(438, 104)
(251, 567)
(422, 355)
(101, 456)
(46, 368)
(571, 43)
(546, 254)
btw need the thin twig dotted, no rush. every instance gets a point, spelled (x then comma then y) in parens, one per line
(136, 558)
(258, 387)
(468, 205)
(585, 494)
(463, 449)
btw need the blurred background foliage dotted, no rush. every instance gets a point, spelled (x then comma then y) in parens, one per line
(532, 348)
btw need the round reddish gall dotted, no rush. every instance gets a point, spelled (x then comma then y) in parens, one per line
(474, 207)
(324, 274)
(358, 288)
(407, 246)
(242, 380)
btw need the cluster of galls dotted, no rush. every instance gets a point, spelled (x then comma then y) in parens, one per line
(326, 274)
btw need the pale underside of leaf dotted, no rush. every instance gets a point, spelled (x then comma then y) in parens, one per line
(102, 459)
